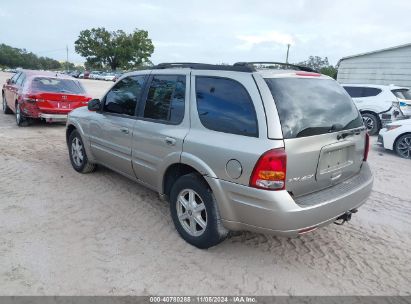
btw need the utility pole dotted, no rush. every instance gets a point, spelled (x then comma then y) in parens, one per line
(67, 58)
(288, 50)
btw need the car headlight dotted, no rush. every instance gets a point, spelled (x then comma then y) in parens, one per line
(392, 127)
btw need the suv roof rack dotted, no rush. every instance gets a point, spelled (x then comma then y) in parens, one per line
(275, 65)
(205, 66)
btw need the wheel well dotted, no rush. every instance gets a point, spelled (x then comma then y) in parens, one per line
(69, 130)
(375, 114)
(173, 173)
(395, 141)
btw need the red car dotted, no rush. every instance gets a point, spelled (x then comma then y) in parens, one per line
(42, 95)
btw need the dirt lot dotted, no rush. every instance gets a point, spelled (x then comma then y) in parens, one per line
(63, 233)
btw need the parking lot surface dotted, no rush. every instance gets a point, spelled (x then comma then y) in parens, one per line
(64, 233)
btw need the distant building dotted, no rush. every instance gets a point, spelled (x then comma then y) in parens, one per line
(387, 66)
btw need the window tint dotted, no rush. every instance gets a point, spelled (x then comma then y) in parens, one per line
(356, 92)
(224, 105)
(370, 92)
(124, 96)
(312, 106)
(56, 85)
(165, 99)
(21, 79)
(14, 78)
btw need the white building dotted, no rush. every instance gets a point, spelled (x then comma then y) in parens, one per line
(387, 66)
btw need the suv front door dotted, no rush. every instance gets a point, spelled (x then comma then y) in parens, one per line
(161, 126)
(111, 130)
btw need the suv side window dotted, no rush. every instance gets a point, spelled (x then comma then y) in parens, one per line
(370, 92)
(165, 99)
(354, 92)
(224, 105)
(124, 96)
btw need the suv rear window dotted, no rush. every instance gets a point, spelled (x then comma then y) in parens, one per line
(402, 93)
(55, 85)
(309, 106)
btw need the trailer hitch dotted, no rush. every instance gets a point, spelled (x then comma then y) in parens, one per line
(345, 217)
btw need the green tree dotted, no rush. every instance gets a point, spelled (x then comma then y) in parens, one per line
(102, 48)
(13, 57)
(322, 65)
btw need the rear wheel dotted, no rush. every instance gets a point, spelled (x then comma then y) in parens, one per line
(21, 120)
(78, 156)
(6, 109)
(371, 122)
(194, 212)
(403, 146)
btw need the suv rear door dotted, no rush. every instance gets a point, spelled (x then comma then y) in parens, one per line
(228, 131)
(323, 132)
(161, 126)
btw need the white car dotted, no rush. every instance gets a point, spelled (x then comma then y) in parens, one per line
(109, 76)
(397, 136)
(380, 104)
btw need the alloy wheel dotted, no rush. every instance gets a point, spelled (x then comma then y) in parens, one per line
(18, 114)
(77, 152)
(368, 122)
(404, 146)
(191, 212)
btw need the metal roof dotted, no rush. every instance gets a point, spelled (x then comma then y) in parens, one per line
(378, 51)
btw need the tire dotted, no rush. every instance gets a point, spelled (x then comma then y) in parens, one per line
(402, 146)
(194, 212)
(21, 120)
(77, 153)
(6, 109)
(371, 122)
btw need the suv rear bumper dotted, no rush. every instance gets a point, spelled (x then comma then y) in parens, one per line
(276, 212)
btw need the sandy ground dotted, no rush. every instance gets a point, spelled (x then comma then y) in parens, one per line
(63, 233)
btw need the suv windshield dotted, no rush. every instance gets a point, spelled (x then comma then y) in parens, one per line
(55, 85)
(402, 93)
(308, 106)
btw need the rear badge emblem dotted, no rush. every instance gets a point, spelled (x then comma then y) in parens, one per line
(64, 97)
(301, 178)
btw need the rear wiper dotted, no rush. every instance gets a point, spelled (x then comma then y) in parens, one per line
(335, 127)
(348, 133)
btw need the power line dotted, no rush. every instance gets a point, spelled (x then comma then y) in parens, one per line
(51, 51)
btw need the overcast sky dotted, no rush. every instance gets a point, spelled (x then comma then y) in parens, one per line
(213, 31)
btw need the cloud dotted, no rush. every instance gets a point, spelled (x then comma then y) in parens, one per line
(267, 37)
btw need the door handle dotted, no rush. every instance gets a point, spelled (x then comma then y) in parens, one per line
(124, 130)
(170, 141)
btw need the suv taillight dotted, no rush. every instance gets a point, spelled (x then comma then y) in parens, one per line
(269, 171)
(367, 146)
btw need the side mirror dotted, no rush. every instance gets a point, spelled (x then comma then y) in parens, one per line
(94, 105)
(8, 81)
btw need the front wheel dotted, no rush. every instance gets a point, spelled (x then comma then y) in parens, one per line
(371, 122)
(195, 213)
(403, 146)
(78, 156)
(6, 109)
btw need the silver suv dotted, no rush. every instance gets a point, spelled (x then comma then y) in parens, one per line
(267, 147)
